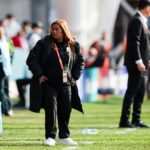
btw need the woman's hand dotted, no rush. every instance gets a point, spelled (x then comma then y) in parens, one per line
(42, 79)
(149, 64)
(141, 67)
(73, 82)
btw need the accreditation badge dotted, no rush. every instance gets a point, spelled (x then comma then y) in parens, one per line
(65, 76)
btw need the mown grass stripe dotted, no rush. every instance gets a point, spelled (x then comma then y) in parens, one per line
(25, 130)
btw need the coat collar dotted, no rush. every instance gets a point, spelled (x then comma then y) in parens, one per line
(143, 17)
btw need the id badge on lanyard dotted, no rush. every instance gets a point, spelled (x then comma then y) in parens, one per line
(65, 79)
(64, 68)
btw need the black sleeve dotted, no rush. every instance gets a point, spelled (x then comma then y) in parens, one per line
(134, 32)
(79, 64)
(149, 44)
(33, 60)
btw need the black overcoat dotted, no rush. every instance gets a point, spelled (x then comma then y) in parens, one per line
(36, 62)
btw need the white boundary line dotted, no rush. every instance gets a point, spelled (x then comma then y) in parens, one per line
(125, 131)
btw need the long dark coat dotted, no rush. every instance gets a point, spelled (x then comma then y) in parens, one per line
(36, 62)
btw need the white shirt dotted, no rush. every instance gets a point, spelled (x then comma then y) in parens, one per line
(12, 29)
(33, 40)
(143, 18)
(5, 56)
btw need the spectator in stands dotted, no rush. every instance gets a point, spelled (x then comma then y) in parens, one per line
(56, 63)
(136, 61)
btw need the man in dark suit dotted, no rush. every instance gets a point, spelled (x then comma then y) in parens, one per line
(136, 61)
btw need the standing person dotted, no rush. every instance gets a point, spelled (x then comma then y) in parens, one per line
(29, 39)
(37, 29)
(21, 44)
(5, 72)
(11, 26)
(136, 61)
(56, 63)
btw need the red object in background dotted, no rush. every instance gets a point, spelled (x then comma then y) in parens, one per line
(124, 45)
(17, 41)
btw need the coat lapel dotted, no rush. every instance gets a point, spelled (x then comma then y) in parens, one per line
(145, 26)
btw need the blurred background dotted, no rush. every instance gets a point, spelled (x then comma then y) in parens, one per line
(99, 26)
(87, 19)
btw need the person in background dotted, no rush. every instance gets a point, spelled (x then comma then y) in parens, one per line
(1, 22)
(5, 72)
(95, 56)
(56, 63)
(26, 27)
(22, 83)
(37, 29)
(20, 43)
(136, 61)
(11, 26)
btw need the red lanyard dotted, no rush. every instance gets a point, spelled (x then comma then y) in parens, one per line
(59, 58)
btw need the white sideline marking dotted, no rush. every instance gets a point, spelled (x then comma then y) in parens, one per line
(41, 142)
(125, 131)
(86, 142)
(70, 148)
(24, 141)
(75, 147)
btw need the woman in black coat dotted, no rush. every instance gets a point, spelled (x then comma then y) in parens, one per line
(56, 63)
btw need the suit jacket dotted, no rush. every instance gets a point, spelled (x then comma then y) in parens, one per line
(36, 62)
(137, 42)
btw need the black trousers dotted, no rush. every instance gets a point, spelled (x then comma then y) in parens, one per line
(57, 103)
(134, 94)
(21, 86)
(4, 95)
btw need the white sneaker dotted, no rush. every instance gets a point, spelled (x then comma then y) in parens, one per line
(50, 142)
(67, 141)
(10, 112)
